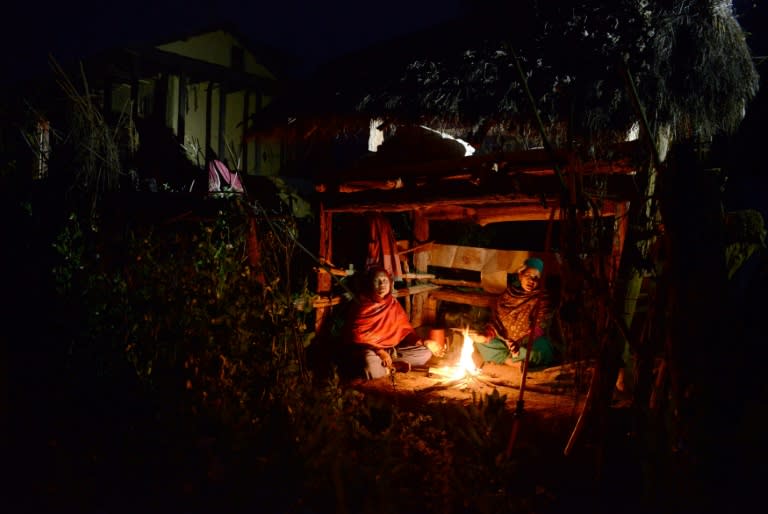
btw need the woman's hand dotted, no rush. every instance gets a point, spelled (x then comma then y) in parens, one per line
(386, 358)
(434, 347)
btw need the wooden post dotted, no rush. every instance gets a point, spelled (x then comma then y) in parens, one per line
(208, 117)
(222, 122)
(420, 262)
(620, 223)
(180, 126)
(243, 142)
(324, 279)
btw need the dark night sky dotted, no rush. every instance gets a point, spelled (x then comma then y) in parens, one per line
(313, 31)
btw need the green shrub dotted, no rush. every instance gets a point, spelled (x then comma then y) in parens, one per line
(218, 344)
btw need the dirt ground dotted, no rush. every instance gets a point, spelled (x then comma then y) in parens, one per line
(555, 392)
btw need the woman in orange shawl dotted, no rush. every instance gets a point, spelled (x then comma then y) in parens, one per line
(380, 332)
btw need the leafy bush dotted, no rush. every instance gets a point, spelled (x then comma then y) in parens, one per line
(217, 343)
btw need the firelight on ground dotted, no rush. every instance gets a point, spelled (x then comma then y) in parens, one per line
(464, 366)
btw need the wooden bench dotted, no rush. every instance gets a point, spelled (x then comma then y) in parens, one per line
(493, 266)
(476, 299)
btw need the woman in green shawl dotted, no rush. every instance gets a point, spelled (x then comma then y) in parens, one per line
(523, 308)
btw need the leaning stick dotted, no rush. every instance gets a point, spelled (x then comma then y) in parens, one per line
(520, 403)
(582, 416)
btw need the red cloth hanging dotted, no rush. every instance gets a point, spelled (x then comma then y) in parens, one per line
(382, 246)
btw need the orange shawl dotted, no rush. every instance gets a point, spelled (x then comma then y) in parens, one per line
(380, 324)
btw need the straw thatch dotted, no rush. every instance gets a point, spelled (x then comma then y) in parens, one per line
(689, 60)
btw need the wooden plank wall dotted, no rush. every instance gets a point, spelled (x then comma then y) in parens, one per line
(493, 265)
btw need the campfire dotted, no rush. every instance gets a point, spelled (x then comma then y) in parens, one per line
(462, 373)
(464, 368)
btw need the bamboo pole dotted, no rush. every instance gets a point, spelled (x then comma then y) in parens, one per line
(519, 406)
(563, 187)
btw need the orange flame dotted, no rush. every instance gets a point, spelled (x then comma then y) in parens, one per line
(466, 364)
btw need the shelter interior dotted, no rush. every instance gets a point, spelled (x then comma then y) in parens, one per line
(462, 225)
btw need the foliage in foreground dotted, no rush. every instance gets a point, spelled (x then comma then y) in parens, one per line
(217, 347)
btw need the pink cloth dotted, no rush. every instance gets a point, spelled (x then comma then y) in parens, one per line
(218, 172)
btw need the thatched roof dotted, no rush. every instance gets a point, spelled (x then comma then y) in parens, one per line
(689, 61)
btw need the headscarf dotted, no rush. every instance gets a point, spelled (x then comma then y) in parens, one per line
(535, 263)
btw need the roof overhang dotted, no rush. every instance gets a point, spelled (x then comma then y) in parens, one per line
(127, 64)
(515, 186)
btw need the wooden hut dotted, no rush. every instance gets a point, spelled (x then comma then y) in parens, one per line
(503, 187)
(570, 110)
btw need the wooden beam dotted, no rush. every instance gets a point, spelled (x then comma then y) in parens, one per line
(531, 159)
(324, 303)
(414, 290)
(417, 248)
(621, 160)
(450, 212)
(531, 212)
(418, 276)
(331, 270)
(457, 283)
(366, 185)
(523, 188)
(524, 210)
(476, 299)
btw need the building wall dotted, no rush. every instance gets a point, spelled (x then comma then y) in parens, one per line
(262, 158)
(216, 47)
(121, 97)
(194, 122)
